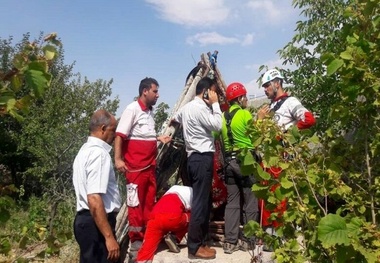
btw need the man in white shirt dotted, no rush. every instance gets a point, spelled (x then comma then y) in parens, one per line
(97, 193)
(199, 118)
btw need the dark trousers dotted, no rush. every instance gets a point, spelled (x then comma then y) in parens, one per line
(242, 205)
(200, 171)
(91, 241)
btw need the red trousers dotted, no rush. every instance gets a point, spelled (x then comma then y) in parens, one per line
(138, 216)
(280, 209)
(157, 227)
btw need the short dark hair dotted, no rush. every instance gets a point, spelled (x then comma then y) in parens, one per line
(280, 80)
(204, 84)
(99, 118)
(147, 84)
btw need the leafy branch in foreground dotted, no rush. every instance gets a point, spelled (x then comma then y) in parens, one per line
(28, 78)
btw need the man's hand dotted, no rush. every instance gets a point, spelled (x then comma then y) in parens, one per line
(263, 112)
(164, 138)
(113, 249)
(119, 162)
(212, 97)
(120, 165)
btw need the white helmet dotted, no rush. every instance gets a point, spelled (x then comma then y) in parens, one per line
(271, 75)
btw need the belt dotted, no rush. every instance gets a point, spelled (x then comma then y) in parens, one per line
(86, 212)
(203, 153)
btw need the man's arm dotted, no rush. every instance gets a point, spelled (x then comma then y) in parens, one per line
(98, 212)
(303, 116)
(119, 160)
(214, 122)
(307, 121)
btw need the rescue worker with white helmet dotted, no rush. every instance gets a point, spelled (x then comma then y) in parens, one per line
(288, 111)
(242, 205)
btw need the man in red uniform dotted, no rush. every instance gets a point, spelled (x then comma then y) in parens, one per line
(170, 214)
(287, 111)
(135, 155)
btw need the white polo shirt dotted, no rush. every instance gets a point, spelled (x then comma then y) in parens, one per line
(93, 173)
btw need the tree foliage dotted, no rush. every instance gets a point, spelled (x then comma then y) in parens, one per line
(24, 75)
(160, 115)
(330, 179)
(41, 148)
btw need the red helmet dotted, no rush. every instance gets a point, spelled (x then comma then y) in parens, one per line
(235, 90)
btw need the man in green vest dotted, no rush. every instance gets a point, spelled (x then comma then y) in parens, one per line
(242, 205)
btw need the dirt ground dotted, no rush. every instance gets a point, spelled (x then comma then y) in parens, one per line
(163, 255)
(70, 254)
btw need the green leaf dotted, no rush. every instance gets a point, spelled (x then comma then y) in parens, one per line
(251, 228)
(283, 165)
(334, 66)
(273, 161)
(5, 246)
(351, 40)
(314, 139)
(246, 169)
(285, 183)
(346, 55)
(272, 200)
(258, 141)
(354, 226)
(262, 174)
(38, 81)
(49, 51)
(16, 82)
(332, 230)
(4, 215)
(376, 21)
(260, 190)
(38, 65)
(19, 61)
(248, 159)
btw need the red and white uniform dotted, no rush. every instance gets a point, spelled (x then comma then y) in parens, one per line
(136, 127)
(292, 112)
(170, 214)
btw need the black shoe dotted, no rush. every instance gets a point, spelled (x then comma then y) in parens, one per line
(170, 240)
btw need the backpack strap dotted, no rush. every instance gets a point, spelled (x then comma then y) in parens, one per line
(228, 116)
(279, 103)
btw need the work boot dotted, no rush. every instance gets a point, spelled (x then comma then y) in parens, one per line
(210, 249)
(202, 253)
(229, 248)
